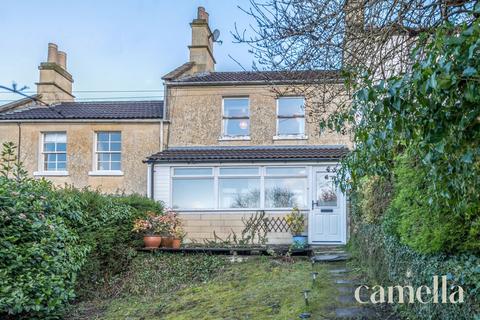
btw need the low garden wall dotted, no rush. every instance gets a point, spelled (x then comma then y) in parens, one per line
(207, 228)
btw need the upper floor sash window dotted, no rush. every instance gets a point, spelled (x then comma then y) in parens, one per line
(54, 151)
(291, 116)
(236, 117)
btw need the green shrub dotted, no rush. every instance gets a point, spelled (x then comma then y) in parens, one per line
(431, 112)
(106, 227)
(385, 261)
(375, 194)
(412, 218)
(39, 254)
(50, 237)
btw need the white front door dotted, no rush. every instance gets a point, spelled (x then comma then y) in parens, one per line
(327, 220)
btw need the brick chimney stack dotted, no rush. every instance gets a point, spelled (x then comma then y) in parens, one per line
(55, 84)
(201, 49)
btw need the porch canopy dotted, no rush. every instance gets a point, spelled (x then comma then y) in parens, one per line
(249, 154)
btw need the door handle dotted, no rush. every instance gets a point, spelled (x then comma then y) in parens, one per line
(315, 203)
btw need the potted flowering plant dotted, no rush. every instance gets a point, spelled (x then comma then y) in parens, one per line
(175, 231)
(178, 234)
(151, 227)
(168, 220)
(296, 221)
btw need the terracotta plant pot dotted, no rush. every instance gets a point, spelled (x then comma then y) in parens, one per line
(176, 243)
(167, 242)
(152, 241)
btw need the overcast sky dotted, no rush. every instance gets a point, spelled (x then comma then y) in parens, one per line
(112, 44)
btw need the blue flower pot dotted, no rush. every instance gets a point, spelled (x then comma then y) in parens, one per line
(300, 241)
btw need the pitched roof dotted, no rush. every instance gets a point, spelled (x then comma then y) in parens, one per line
(110, 110)
(307, 76)
(257, 153)
(14, 105)
(175, 73)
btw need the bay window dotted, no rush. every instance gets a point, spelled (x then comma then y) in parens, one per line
(285, 187)
(240, 187)
(192, 188)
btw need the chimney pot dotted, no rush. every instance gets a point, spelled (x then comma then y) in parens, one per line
(202, 14)
(62, 59)
(52, 52)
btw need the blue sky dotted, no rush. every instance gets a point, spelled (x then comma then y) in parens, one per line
(112, 45)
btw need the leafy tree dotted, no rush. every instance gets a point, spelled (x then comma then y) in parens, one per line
(433, 112)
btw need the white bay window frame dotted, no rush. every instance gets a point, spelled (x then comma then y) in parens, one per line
(192, 176)
(262, 175)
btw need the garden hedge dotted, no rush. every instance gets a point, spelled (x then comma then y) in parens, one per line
(51, 239)
(388, 262)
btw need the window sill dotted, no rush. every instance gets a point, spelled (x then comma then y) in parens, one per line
(234, 139)
(299, 137)
(50, 173)
(105, 173)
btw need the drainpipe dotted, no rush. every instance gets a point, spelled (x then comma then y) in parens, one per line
(161, 136)
(152, 180)
(19, 124)
(164, 117)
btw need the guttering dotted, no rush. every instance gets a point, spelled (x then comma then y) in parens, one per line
(81, 120)
(333, 159)
(257, 82)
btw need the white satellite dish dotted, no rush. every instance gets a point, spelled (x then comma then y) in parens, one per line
(216, 35)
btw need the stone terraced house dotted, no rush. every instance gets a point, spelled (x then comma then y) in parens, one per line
(221, 146)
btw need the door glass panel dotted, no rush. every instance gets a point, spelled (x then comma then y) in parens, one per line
(326, 190)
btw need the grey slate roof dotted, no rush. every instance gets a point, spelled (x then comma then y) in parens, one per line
(309, 76)
(241, 153)
(110, 110)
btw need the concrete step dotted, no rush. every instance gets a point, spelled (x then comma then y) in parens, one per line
(327, 248)
(338, 271)
(330, 257)
(355, 313)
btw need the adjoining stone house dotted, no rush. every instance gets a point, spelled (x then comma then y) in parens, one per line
(236, 146)
(222, 146)
(96, 144)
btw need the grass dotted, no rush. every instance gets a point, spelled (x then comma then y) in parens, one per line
(258, 288)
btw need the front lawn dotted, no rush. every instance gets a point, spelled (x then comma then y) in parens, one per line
(211, 287)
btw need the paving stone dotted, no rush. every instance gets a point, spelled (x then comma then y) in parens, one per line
(348, 312)
(338, 271)
(344, 289)
(347, 299)
(344, 281)
(356, 313)
(330, 258)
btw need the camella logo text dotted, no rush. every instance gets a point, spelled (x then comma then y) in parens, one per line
(422, 294)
